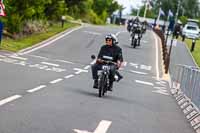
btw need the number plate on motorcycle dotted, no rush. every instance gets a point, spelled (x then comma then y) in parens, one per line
(99, 72)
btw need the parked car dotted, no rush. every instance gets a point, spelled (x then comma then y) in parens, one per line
(191, 31)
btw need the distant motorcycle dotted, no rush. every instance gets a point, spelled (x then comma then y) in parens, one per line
(136, 35)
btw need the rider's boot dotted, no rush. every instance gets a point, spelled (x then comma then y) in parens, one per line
(95, 85)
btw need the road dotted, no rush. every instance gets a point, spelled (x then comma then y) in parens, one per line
(49, 89)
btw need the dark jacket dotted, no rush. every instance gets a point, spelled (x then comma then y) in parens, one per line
(112, 53)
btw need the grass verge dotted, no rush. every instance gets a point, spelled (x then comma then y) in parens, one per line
(19, 44)
(196, 52)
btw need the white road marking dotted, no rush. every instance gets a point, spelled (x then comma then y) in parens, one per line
(137, 72)
(41, 57)
(69, 76)
(101, 128)
(117, 34)
(145, 67)
(143, 82)
(17, 57)
(81, 131)
(163, 92)
(80, 70)
(9, 99)
(48, 43)
(50, 64)
(64, 61)
(93, 33)
(157, 65)
(134, 64)
(36, 89)
(56, 81)
(87, 67)
(2, 56)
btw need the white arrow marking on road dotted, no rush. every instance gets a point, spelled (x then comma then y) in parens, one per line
(101, 128)
(9, 99)
(80, 70)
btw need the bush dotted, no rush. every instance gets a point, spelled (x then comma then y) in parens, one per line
(35, 26)
(92, 17)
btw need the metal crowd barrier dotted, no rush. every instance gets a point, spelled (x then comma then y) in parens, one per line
(186, 89)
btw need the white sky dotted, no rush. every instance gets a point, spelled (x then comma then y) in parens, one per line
(128, 4)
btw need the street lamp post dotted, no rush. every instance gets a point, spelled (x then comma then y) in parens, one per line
(177, 11)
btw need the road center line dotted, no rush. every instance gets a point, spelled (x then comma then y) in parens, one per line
(51, 64)
(56, 81)
(69, 76)
(143, 82)
(36, 89)
(9, 99)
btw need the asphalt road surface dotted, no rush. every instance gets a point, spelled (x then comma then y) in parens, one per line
(48, 89)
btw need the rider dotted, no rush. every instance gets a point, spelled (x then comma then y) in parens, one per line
(111, 52)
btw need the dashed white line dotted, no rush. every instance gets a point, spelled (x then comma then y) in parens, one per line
(17, 57)
(69, 76)
(50, 64)
(137, 72)
(143, 82)
(56, 81)
(36, 89)
(9, 99)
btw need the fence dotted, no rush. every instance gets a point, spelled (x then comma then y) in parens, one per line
(186, 89)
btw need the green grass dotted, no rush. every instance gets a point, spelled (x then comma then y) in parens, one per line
(196, 52)
(19, 44)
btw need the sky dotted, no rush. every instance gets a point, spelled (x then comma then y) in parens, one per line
(128, 4)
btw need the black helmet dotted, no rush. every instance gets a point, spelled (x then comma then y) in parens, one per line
(113, 37)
